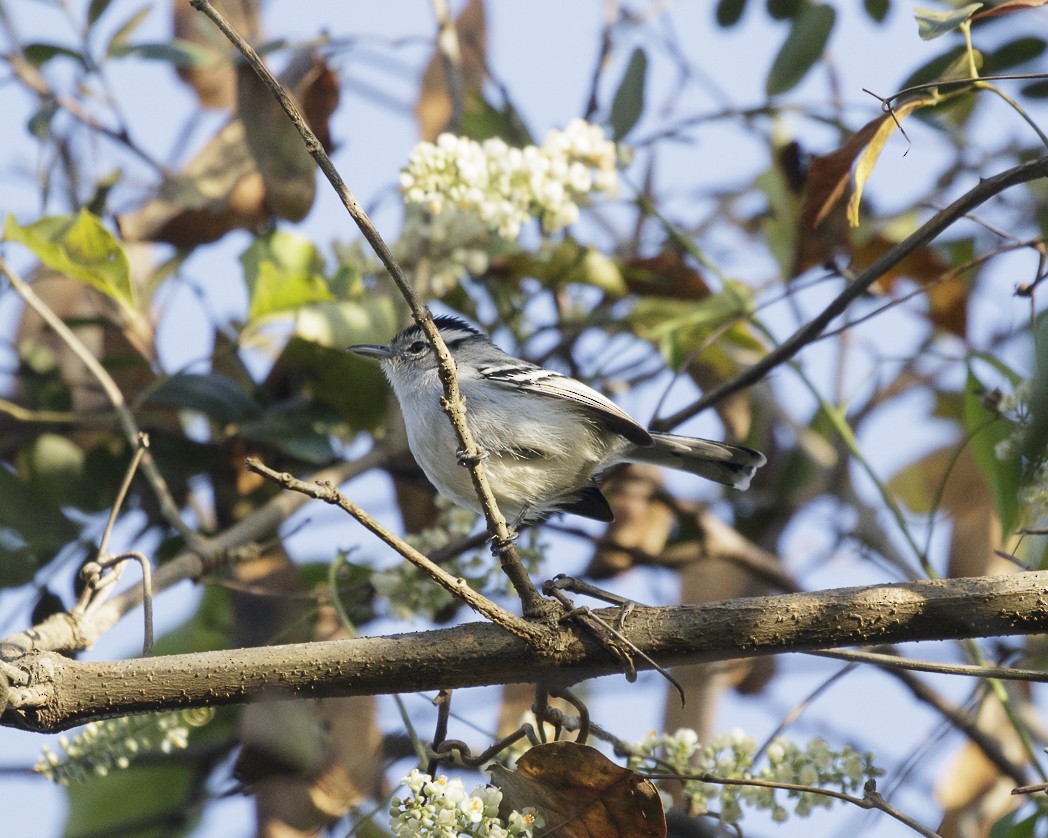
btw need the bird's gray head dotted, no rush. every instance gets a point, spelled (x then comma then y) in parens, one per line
(410, 350)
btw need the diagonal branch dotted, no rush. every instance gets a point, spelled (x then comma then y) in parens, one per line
(458, 588)
(928, 231)
(453, 403)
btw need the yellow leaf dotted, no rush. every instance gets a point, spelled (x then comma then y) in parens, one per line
(868, 159)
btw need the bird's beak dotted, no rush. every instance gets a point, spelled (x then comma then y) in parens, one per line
(370, 350)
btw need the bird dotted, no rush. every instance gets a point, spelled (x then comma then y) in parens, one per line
(545, 437)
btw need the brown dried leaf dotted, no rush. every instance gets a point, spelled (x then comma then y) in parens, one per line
(665, 275)
(955, 480)
(1008, 7)
(434, 107)
(255, 168)
(580, 793)
(973, 792)
(288, 172)
(947, 295)
(218, 191)
(215, 84)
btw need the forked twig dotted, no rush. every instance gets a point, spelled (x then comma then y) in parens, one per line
(92, 573)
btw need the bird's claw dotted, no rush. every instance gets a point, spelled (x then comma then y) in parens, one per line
(466, 459)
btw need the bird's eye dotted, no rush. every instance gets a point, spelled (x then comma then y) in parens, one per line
(417, 347)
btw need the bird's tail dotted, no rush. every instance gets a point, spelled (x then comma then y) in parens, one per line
(731, 465)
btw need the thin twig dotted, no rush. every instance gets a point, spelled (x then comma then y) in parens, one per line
(871, 799)
(939, 222)
(453, 403)
(91, 572)
(618, 644)
(1036, 787)
(988, 743)
(455, 586)
(236, 544)
(931, 85)
(143, 444)
(1005, 673)
(147, 593)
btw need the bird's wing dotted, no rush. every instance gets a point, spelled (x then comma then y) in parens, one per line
(521, 375)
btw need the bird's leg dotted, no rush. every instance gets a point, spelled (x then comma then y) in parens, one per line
(466, 459)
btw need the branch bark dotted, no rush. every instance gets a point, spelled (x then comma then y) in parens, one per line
(59, 692)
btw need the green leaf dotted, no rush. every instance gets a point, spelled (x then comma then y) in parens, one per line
(40, 122)
(339, 379)
(482, 121)
(39, 54)
(179, 52)
(936, 68)
(96, 10)
(54, 465)
(32, 530)
(628, 104)
(783, 9)
(877, 10)
(1011, 827)
(729, 12)
(351, 385)
(986, 430)
(1036, 90)
(217, 397)
(1013, 54)
(803, 47)
(932, 23)
(209, 629)
(602, 272)
(80, 247)
(121, 36)
(283, 272)
(305, 438)
(679, 327)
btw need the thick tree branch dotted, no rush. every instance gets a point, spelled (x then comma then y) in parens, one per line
(925, 234)
(59, 692)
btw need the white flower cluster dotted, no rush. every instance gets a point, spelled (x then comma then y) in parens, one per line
(101, 747)
(731, 757)
(505, 186)
(442, 809)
